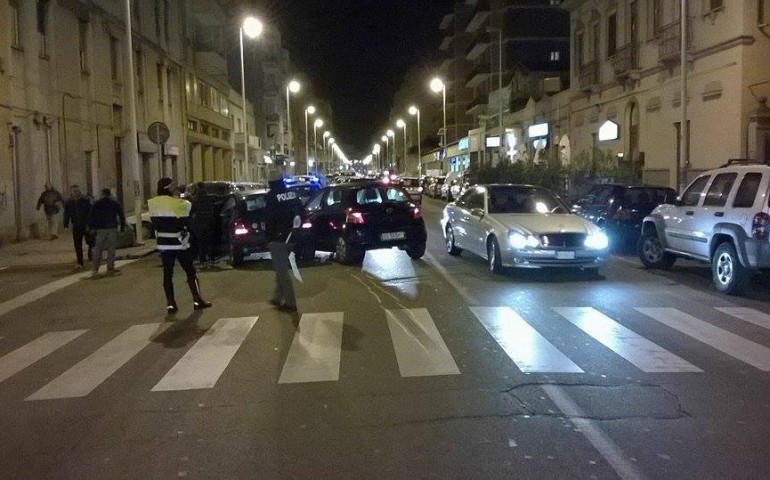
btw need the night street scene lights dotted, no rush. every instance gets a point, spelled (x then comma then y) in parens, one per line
(316, 125)
(385, 139)
(400, 123)
(309, 110)
(252, 28)
(413, 110)
(391, 134)
(438, 85)
(292, 87)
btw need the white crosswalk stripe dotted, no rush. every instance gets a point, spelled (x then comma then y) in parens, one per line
(35, 350)
(205, 362)
(420, 349)
(315, 352)
(750, 315)
(88, 374)
(641, 352)
(722, 340)
(529, 350)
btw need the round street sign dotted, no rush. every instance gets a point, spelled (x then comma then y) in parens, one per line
(158, 132)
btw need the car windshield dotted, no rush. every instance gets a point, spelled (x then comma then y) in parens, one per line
(523, 199)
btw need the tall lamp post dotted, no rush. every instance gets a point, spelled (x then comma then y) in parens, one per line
(400, 123)
(413, 110)
(437, 85)
(326, 135)
(252, 28)
(392, 159)
(292, 87)
(308, 111)
(387, 147)
(376, 152)
(331, 154)
(133, 147)
(316, 125)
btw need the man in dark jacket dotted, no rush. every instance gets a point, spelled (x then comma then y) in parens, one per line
(282, 214)
(76, 210)
(104, 217)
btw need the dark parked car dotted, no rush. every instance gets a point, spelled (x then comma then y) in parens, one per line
(620, 209)
(349, 219)
(243, 220)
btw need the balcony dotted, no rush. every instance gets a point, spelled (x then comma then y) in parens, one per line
(626, 60)
(588, 76)
(446, 43)
(478, 45)
(478, 105)
(254, 142)
(670, 42)
(211, 63)
(480, 15)
(477, 75)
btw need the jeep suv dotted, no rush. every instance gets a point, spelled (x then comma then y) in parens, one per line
(721, 218)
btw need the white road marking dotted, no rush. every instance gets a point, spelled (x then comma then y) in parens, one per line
(420, 349)
(459, 288)
(84, 377)
(618, 460)
(47, 289)
(529, 350)
(35, 350)
(314, 355)
(205, 362)
(750, 315)
(715, 337)
(641, 352)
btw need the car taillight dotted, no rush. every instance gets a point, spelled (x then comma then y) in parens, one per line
(239, 227)
(306, 223)
(416, 213)
(759, 227)
(353, 216)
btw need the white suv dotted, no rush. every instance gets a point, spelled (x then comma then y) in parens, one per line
(721, 218)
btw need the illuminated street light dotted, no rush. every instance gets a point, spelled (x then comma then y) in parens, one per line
(413, 110)
(252, 27)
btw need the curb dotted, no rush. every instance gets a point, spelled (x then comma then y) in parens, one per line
(40, 266)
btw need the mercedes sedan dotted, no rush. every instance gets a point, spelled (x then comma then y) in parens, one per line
(522, 226)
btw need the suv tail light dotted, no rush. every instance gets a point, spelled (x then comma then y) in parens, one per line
(306, 223)
(354, 217)
(239, 227)
(759, 227)
(416, 213)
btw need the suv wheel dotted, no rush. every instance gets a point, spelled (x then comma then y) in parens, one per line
(347, 254)
(651, 253)
(729, 275)
(493, 256)
(451, 248)
(416, 251)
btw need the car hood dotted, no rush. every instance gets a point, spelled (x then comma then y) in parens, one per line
(543, 223)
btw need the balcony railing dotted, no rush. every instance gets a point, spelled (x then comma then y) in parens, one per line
(625, 60)
(588, 75)
(478, 105)
(670, 42)
(481, 71)
(478, 45)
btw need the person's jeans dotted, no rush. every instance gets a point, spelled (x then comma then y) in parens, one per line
(106, 239)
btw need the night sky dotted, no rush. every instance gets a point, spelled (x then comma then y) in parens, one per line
(356, 52)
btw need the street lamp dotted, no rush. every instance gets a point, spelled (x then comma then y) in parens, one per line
(392, 134)
(252, 28)
(437, 85)
(326, 135)
(413, 110)
(402, 124)
(387, 147)
(499, 70)
(292, 87)
(316, 125)
(308, 111)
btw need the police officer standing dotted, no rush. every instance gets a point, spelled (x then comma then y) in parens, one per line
(170, 217)
(282, 214)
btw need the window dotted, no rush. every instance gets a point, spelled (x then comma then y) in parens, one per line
(715, 5)
(314, 203)
(159, 79)
(83, 45)
(747, 191)
(720, 190)
(368, 195)
(693, 193)
(166, 10)
(115, 58)
(170, 81)
(334, 197)
(139, 72)
(555, 56)
(395, 195)
(657, 16)
(475, 200)
(42, 27)
(158, 20)
(192, 126)
(15, 26)
(578, 50)
(612, 34)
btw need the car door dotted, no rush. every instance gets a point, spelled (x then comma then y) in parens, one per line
(680, 228)
(330, 218)
(711, 212)
(472, 216)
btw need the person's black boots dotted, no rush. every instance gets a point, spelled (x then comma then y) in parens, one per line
(198, 302)
(170, 302)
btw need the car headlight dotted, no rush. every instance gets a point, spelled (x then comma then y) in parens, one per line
(519, 241)
(597, 241)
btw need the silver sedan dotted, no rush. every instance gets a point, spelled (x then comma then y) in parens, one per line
(521, 226)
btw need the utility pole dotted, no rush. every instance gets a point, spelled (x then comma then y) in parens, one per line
(131, 142)
(684, 133)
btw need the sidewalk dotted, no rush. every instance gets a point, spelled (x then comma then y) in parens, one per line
(38, 253)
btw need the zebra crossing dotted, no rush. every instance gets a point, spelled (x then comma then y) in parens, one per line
(417, 345)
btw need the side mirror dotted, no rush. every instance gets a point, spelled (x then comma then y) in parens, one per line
(477, 212)
(678, 202)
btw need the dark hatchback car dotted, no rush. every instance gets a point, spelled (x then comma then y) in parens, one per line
(620, 209)
(243, 219)
(349, 219)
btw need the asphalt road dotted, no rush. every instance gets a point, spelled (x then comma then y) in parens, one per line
(401, 368)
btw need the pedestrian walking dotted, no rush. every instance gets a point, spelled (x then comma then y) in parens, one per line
(76, 211)
(106, 215)
(282, 214)
(170, 216)
(50, 200)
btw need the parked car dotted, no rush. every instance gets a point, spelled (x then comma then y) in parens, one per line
(243, 220)
(434, 188)
(351, 218)
(722, 218)
(522, 226)
(620, 209)
(413, 188)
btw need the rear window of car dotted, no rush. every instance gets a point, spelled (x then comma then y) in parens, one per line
(374, 194)
(410, 182)
(252, 204)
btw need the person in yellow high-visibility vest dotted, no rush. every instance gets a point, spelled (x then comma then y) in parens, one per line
(170, 216)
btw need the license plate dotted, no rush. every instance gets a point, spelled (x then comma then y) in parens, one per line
(565, 255)
(392, 236)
